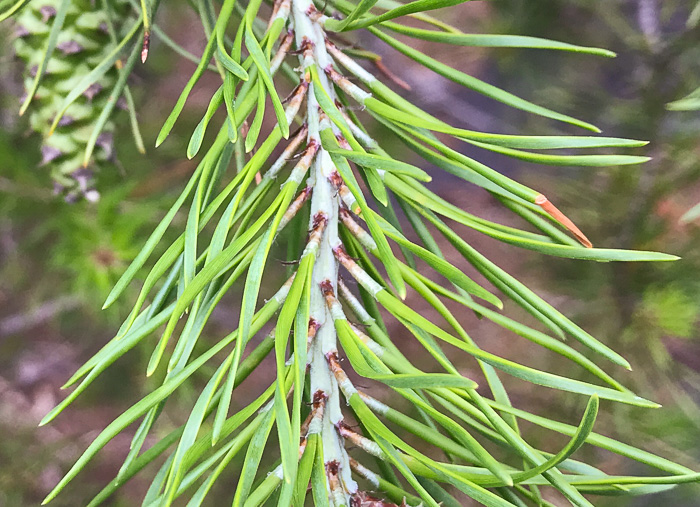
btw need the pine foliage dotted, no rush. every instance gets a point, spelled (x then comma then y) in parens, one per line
(341, 200)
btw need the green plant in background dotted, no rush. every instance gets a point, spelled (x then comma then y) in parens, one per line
(55, 251)
(299, 181)
(63, 44)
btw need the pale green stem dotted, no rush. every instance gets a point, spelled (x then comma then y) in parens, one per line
(324, 201)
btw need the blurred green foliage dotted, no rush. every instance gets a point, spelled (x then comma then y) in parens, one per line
(79, 249)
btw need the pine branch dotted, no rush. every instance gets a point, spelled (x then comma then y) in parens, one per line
(327, 159)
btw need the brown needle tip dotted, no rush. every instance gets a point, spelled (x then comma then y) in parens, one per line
(560, 217)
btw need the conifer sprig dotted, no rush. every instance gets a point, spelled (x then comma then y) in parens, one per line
(334, 185)
(76, 75)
